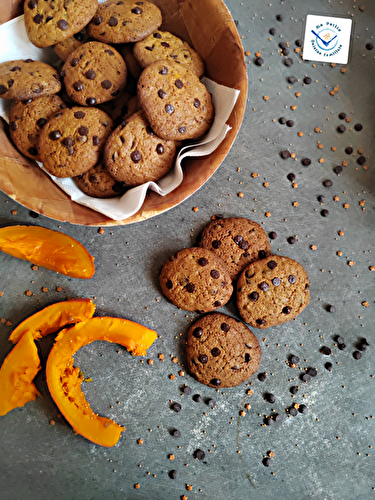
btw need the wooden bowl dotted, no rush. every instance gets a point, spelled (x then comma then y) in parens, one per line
(208, 26)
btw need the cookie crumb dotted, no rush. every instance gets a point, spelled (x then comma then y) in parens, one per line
(101, 230)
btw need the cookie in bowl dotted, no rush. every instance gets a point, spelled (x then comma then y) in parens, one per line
(98, 183)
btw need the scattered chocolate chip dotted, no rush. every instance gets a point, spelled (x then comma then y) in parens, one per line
(369, 46)
(349, 150)
(291, 177)
(331, 308)
(266, 461)
(320, 198)
(357, 355)
(305, 377)
(215, 351)
(337, 169)
(278, 417)
(211, 403)
(259, 61)
(339, 339)
(283, 45)
(13, 126)
(325, 350)
(288, 61)
(292, 79)
(306, 162)
(63, 25)
(341, 346)
(187, 390)
(299, 42)
(290, 123)
(341, 129)
(324, 213)
(285, 154)
(294, 389)
(199, 454)
(197, 398)
(358, 127)
(176, 407)
(307, 80)
(217, 303)
(327, 183)
(282, 120)
(313, 372)
(272, 235)
(302, 408)
(279, 18)
(328, 366)
(272, 31)
(15, 68)
(294, 359)
(270, 397)
(173, 474)
(262, 377)
(342, 116)
(361, 160)
(291, 240)
(268, 420)
(292, 411)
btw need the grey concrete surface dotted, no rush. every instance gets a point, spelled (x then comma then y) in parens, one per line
(325, 453)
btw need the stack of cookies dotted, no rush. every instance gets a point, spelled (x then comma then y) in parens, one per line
(232, 254)
(125, 97)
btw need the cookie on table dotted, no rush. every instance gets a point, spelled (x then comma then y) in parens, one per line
(236, 240)
(272, 291)
(98, 183)
(195, 279)
(94, 73)
(222, 351)
(25, 79)
(27, 119)
(48, 22)
(124, 21)
(133, 154)
(72, 141)
(66, 47)
(166, 46)
(176, 103)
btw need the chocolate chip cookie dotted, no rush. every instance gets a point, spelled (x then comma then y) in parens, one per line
(26, 120)
(166, 46)
(97, 183)
(72, 141)
(133, 154)
(272, 291)
(176, 103)
(195, 279)
(124, 21)
(94, 73)
(50, 21)
(25, 79)
(222, 351)
(237, 241)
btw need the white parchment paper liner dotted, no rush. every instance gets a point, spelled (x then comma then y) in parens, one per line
(15, 45)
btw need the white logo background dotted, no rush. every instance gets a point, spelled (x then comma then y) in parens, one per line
(327, 39)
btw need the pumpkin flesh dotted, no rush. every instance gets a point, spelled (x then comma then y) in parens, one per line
(53, 317)
(47, 248)
(17, 374)
(64, 381)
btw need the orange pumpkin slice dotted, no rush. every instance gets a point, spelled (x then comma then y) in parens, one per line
(64, 381)
(52, 318)
(47, 248)
(17, 374)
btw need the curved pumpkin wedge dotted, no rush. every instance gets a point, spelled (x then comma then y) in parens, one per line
(53, 317)
(64, 382)
(17, 374)
(47, 248)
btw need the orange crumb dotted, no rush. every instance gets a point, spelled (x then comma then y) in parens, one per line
(346, 205)
(313, 247)
(365, 303)
(150, 361)
(257, 54)
(266, 184)
(44, 289)
(1, 294)
(189, 487)
(14, 212)
(254, 174)
(28, 293)
(268, 214)
(295, 185)
(293, 108)
(300, 134)
(266, 97)
(339, 253)
(320, 146)
(321, 160)
(343, 70)
(172, 377)
(101, 230)
(341, 233)
(333, 148)
(161, 356)
(171, 456)
(317, 130)
(240, 195)
(297, 94)
(247, 53)
(195, 209)
(137, 486)
(59, 289)
(336, 198)
(250, 392)
(295, 204)
(140, 441)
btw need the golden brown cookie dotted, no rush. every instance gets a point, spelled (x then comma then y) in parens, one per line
(66, 47)
(195, 279)
(222, 351)
(26, 120)
(94, 73)
(97, 183)
(162, 45)
(124, 21)
(133, 154)
(237, 241)
(25, 79)
(50, 21)
(176, 103)
(71, 142)
(272, 291)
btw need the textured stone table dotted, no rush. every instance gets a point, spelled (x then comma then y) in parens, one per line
(325, 453)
